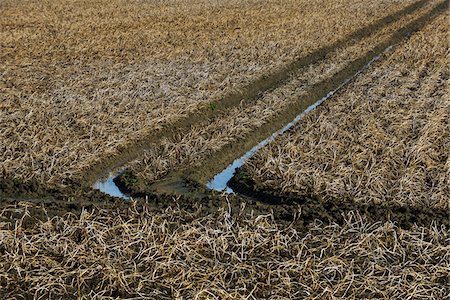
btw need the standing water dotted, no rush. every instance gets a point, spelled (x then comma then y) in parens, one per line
(109, 187)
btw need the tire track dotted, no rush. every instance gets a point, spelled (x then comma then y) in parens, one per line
(314, 94)
(246, 96)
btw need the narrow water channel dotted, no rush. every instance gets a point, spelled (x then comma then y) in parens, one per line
(220, 181)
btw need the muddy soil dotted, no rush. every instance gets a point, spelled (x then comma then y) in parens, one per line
(285, 208)
(333, 210)
(45, 202)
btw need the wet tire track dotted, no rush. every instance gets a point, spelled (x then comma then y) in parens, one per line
(244, 97)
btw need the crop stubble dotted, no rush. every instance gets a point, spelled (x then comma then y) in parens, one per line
(227, 253)
(82, 80)
(180, 253)
(189, 150)
(383, 139)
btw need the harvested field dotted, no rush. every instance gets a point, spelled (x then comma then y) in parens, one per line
(81, 81)
(174, 90)
(189, 254)
(203, 141)
(384, 139)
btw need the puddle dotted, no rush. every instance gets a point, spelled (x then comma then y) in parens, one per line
(109, 187)
(220, 181)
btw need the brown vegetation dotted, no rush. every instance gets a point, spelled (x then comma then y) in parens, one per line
(80, 79)
(209, 137)
(187, 254)
(385, 138)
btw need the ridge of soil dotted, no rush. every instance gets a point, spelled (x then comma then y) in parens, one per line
(298, 212)
(334, 209)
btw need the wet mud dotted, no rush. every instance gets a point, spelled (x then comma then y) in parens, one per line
(286, 209)
(334, 210)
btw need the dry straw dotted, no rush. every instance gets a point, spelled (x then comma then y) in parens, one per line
(79, 80)
(177, 254)
(385, 138)
(209, 137)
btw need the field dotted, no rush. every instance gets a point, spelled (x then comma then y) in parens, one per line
(84, 80)
(181, 253)
(350, 203)
(384, 139)
(211, 136)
